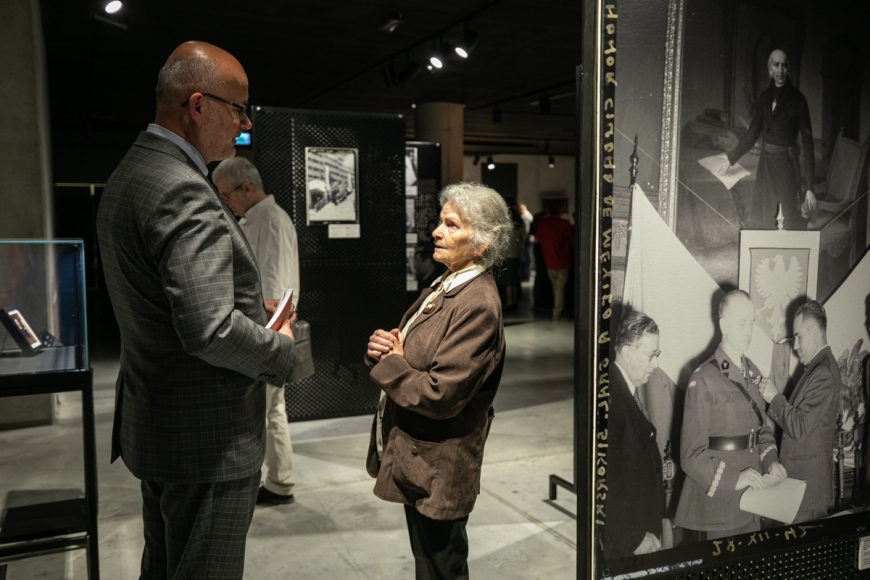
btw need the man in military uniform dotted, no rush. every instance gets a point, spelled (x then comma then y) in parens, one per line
(726, 445)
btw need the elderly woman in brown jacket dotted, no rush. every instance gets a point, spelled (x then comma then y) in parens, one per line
(438, 373)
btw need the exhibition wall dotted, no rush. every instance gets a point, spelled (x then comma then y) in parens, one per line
(340, 177)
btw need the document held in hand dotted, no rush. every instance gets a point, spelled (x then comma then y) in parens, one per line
(282, 312)
(719, 166)
(779, 499)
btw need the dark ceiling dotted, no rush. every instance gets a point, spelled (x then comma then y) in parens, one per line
(325, 54)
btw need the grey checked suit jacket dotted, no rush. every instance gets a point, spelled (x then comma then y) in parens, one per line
(195, 357)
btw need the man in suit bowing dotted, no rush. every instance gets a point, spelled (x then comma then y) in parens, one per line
(195, 355)
(809, 416)
(634, 505)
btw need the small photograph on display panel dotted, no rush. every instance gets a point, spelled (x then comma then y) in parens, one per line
(411, 171)
(331, 185)
(410, 220)
(733, 384)
(410, 270)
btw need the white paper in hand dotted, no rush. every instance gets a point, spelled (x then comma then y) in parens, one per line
(779, 499)
(725, 172)
(282, 311)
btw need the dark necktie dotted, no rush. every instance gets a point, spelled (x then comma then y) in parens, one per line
(639, 404)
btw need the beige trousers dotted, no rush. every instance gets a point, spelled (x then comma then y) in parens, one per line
(558, 278)
(278, 471)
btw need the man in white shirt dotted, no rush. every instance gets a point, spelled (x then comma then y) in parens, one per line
(272, 237)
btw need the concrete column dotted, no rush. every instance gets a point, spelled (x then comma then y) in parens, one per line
(443, 123)
(26, 162)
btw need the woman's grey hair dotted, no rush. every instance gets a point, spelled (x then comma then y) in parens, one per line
(237, 170)
(182, 76)
(487, 214)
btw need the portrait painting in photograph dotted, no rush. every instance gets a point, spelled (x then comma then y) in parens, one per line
(734, 282)
(331, 185)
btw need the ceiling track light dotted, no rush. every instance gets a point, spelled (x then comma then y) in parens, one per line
(110, 21)
(410, 70)
(390, 77)
(476, 160)
(391, 22)
(466, 43)
(490, 164)
(440, 55)
(496, 115)
(112, 7)
(551, 163)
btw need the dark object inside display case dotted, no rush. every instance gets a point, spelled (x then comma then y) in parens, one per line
(20, 331)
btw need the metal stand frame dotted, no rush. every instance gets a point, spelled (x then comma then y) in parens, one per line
(73, 523)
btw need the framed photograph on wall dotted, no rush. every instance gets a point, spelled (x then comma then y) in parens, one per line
(331, 185)
(411, 171)
(698, 363)
(410, 220)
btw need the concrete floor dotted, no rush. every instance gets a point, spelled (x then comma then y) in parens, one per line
(337, 528)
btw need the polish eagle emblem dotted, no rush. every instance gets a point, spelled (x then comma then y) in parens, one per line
(777, 284)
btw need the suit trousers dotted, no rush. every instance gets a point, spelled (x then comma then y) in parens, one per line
(197, 530)
(440, 547)
(278, 476)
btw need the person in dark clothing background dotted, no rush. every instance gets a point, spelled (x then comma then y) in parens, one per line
(781, 116)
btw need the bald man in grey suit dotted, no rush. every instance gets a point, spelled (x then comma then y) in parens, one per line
(195, 355)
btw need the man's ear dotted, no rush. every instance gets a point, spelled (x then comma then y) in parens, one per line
(194, 109)
(247, 188)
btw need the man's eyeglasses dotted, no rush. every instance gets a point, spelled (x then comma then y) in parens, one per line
(226, 194)
(242, 110)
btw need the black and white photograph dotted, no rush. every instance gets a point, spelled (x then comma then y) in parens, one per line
(410, 220)
(410, 270)
(331, 178)
(736, 283)
(411, 167)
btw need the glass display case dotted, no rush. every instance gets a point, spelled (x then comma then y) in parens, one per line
(43, 318)
(44, 349)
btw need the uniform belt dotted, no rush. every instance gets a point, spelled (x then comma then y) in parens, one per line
(736, 443)
(781, 149)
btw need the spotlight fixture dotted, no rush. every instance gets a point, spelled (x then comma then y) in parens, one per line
(466, 43)
(409, 71)
(391, 79)
(476, 160)
(551, 163)
(391, 22)
(496, 115)
(490, 164)
(111, 14)
(441, 54)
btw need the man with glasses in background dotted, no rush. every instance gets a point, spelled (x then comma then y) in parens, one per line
(634, 506)
(272, 236)
(195, 355)
(726, 445)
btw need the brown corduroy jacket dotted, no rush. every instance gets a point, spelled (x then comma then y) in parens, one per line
(439, 396)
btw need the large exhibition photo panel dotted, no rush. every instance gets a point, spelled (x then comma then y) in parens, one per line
(731, 289)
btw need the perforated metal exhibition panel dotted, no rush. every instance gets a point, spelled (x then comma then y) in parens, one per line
(349, 287)
(835, 561)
